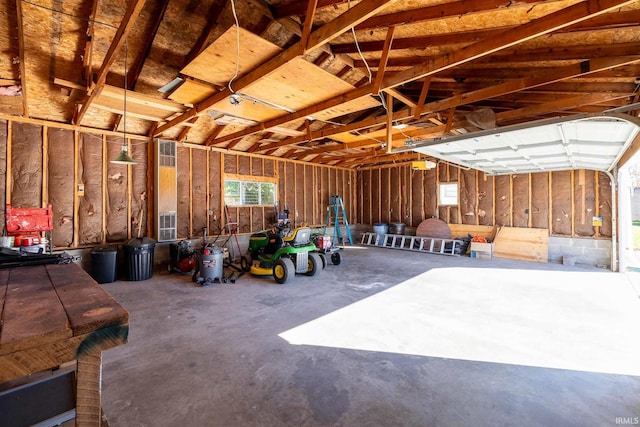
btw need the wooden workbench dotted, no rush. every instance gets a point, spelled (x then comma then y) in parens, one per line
(55, 314)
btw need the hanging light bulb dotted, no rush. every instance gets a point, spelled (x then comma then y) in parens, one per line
(123, 158)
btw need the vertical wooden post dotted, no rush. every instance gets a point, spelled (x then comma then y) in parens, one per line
(477, 201)
(150, 201)
(129, 191)
(493, 201)
(88, 389)
(207, 187)
(530, 216)
(76, 180)
(550, 203)
(45, 166)
(190, 192)
(459, 207)
(597, 210)
(438, 190)
(573, 204)
(8, 178)
(223, 212)
(510, 200)
(104, 188)
(389, 123)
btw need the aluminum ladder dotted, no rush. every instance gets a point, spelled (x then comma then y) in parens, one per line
(433, 245)
(337, 216)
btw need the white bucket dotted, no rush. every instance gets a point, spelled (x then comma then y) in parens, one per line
(6, 241)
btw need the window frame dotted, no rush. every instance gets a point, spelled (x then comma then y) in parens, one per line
(444, 199)
(261, 181)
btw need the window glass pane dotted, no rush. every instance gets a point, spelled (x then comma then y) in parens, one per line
(449, 194)
(232, 193)
(250, 193)
(267, 194)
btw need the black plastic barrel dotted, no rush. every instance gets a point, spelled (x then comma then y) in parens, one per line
(104, 264)
(138, 256)
(396, 228)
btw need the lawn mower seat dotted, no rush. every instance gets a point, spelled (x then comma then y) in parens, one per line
(299, 237)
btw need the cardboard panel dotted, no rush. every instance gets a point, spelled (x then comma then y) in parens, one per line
(199, 190)
(184, 219)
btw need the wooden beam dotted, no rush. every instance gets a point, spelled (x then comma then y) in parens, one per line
(87, 62)
(383, 60)
(308, 24)
(449, 123)
(322, 35)
(440, 11)
(423, 96)
(22, 66)
(389, 123)
(136, 68)
(131, 15)
(554, 21)
(305, 112)
(297, 8)
(401, 97)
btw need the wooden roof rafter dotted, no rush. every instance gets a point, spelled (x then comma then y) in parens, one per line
(134, 9)
(549, 23)
(558, 74)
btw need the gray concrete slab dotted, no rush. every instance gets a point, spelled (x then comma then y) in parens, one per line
(213, 356)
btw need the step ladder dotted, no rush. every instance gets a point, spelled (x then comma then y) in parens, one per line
(337, 217)
(433, 245)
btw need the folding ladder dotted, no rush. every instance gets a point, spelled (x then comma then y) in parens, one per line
(337, 217)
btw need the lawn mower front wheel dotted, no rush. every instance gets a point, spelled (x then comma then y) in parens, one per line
(282, 269)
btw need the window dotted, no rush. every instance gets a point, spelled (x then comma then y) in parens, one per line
(244, 192)
(448, 194)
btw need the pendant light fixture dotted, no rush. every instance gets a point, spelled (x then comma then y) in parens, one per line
(123, 158)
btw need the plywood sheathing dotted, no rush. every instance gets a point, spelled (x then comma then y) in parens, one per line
(528, 244)
(90, 173)
(61, 195)
(26, 166)
(117, 215)
(217, 63)
(55, 37)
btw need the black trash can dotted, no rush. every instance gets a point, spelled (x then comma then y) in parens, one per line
(104, 264)
(138, 256)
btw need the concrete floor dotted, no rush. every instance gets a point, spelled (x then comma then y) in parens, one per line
(213, 356)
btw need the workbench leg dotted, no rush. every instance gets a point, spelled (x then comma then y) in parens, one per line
(88, 390)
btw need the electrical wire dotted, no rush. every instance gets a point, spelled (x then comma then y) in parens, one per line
(235, 18)
(355, 38)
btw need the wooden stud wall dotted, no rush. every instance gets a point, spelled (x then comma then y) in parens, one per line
(116, 197)
(564, 202)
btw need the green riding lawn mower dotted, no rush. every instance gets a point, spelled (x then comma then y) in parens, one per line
(284, 251)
